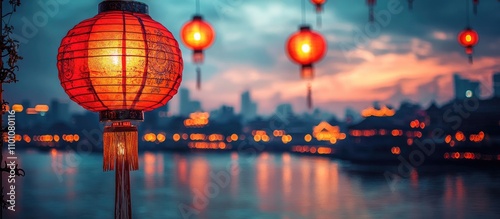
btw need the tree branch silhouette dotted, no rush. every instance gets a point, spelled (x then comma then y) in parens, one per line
(8, 69)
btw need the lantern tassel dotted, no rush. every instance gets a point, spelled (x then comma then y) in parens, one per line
(121, 154)
(319, 8)
(123, 203)
(469, 52)
(410, 4)
(198, 78)
(120, 141)
(309, 96)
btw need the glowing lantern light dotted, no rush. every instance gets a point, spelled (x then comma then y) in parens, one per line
(234, 137)
(27, 138)
(120, 63)
(17, 108)
(31, 111)
(145, 137)
(56, 138)
(42, 108)
(468, 38)
(319, 8)
(396, 150)
(371, 5)
(306, 47)
(69, 138)
(197, 35)
(152, 137)
(308, 138)
(161, 137)
(176, 137)
(384, 111)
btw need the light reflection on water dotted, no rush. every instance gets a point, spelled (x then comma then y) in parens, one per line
(281, 186)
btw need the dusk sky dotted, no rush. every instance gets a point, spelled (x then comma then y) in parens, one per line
(412, 55)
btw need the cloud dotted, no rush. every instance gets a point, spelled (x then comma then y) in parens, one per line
(412, 51)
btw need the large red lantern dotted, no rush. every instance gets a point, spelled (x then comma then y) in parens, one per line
(120, 64)
(319, 8)
(371, 5)
(305, 48)
(197, 35)
(468, 38)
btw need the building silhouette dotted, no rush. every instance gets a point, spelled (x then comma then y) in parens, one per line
(465, 88)
(223, 114)
(186, 105)
(58, 111)
(285, 111)
(496, 84)
(248, 107)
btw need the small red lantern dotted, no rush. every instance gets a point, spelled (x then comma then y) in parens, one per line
(305, 48)
(197, 35)
(319, 8)
(371, 5)
(468, 38)
(120, 63)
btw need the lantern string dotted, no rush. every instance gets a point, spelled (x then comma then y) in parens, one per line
(475, 7)
(304, 12)
(197, 6)
(467, 13)
(318, 20)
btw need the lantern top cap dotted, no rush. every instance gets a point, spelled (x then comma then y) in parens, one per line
(197, 17)
(121, 5)
(305, 27)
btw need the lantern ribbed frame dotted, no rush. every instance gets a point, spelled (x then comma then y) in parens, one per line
(305, 36)
(120, 61)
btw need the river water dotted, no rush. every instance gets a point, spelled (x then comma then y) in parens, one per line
(245, 186)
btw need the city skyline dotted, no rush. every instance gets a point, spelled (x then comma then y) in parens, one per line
(248, 109)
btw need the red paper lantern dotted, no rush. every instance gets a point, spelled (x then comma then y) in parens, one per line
(120, 63)
(197, 35)
(319, 8)
(371, 5)
(305, 48)
(468, 38)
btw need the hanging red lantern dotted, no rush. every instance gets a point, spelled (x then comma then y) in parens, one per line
(319, 8)
(468, 38)
(475, 3)
(120, 64)
(371, 5)
(197, 35)
(305, 48)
